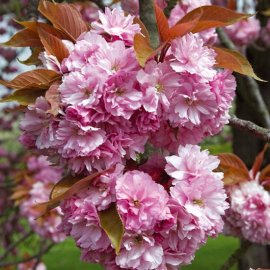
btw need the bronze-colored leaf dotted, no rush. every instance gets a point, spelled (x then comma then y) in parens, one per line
(234, 169)
(258, 161)
(53, 45)
(24, 38)
(64, 17)
(234, 61)
(36, 79)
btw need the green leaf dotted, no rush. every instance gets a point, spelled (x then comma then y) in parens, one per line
(112, 224)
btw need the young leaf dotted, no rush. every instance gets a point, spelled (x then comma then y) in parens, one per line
(144, 30)
(64, 17)
(53, 97)
(112, 224)
(142, 49)
(53, 45)
(25, 96)
(183, 27)
(232, 4)
(36, 79)
(264, 178)
(33, 59)
(258, 161)
(65, 189)
(162, 23)
(234, 169)
(214, 16)
(234, 61)
(24, 38)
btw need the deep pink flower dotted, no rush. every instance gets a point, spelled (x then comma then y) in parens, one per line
(39, 124)
(140, 201)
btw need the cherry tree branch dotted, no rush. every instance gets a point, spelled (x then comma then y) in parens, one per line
(148, 17)
(42, 251)
(251, 93)
(236, 255)
(15, 244)
(260, 132)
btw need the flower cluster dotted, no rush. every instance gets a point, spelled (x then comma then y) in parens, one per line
(169, 206)
(37, 185)
(110, 106)
(248, 216)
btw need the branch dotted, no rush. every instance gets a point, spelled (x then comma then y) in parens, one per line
(15, 244)
(42, 251)
(148, 17)
(236, 255)
(251, 94)
(258, 131)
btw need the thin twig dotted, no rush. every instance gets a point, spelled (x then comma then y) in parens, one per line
(148, 17)
(15, 244)
(251, 93)
(45, 250)
(236, 255)
(258, 131)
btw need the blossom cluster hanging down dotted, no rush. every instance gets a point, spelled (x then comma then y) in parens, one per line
(124, 119)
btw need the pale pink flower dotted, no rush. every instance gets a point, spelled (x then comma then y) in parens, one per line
(158, 82)
(39, 124)
(140, 252)
(121, 98)
(190, 54)
(117, 25)
(140, 201)
(81, 89)
(193, 100)
(205, 199)
(191, 163)
(31, 264)
(248, 216)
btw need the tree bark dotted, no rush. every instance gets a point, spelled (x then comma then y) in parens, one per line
(246, 145)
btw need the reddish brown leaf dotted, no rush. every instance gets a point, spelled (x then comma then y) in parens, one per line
(162, 23)
(234, 169)
(214, 16)
(24, 38)
(234, 61)
(53, 97)
(33, 59)
(34, 26)
(53, 45)
(183, 27)
(65, 189)
(258, 161)
(64, 17)
(36, 79)
(265, 173)
(232, 4)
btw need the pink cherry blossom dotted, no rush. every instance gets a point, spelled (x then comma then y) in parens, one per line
(39, 124)
(190, 54)
(140, 252)
(140, 201)
(117, 25)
